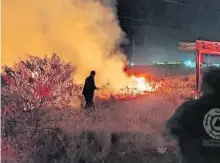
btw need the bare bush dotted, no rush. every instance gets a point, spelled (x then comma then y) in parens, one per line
(30, 90)
(38, 83)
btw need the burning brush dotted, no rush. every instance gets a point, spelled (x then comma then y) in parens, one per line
(135, 87)
(140, 84)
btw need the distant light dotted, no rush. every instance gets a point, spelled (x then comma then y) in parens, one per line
(216, 65)
(189, 64)
(132, 64)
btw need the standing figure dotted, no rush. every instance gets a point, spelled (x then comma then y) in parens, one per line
(88, 89)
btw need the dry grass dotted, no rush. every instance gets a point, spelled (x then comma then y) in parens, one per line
(116, 131)
(123, 131)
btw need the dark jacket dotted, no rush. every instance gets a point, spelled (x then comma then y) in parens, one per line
(89, 87)
(195, 126)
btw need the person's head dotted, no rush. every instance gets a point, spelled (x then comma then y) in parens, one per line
(92, 73)
(211, 81)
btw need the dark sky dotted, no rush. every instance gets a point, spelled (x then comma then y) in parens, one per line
(158, 25)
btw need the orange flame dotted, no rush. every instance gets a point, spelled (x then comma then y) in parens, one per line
(140, 85)
(135, 87)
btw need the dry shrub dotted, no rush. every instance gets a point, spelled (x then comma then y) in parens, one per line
(31, 89)
(37, 82)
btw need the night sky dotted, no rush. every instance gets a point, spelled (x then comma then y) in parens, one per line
(158, 25)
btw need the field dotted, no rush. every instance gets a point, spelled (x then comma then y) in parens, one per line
(136, 125)
(127, 130)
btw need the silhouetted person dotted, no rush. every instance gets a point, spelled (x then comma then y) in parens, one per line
(89, 88)
(196, 124)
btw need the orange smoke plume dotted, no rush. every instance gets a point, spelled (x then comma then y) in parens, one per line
(86, 33)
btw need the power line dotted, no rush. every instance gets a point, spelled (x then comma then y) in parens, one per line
(158, 22)
(133, 26)
(177, 3)
(145, 20)
(137, 19)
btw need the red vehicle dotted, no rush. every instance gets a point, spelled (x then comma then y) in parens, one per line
(202, 48)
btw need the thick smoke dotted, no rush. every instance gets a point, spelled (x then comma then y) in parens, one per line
(84, 32)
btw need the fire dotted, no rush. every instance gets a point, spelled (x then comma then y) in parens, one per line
(135, 87)
(141, 84)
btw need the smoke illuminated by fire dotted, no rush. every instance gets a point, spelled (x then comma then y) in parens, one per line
(83, 32)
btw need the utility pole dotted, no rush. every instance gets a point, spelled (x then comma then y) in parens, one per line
(145, 40)
(209, 60)
(145, 45)
(133, 47)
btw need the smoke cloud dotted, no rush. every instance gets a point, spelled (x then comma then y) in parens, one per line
(83, 32)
